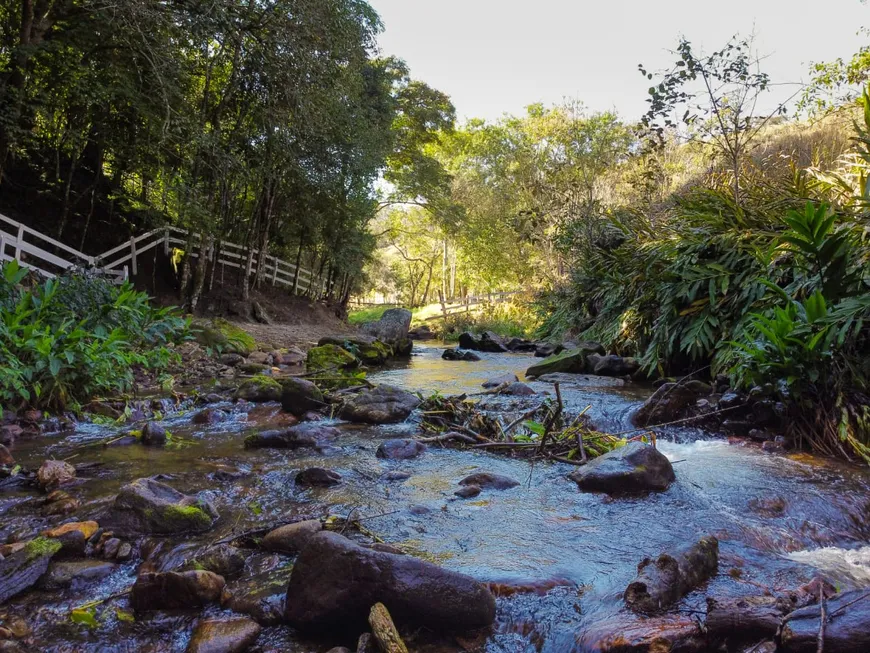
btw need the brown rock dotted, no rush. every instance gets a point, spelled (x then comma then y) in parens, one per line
(173, 590)
(54, 473)
(293, 537)
(224, 635)
(6, 458)
(317, 477)
(86, 528)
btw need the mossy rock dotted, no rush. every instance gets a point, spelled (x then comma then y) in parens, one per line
(252, 368)
(368, 349)
(21, 570)
(330, 356)
(260, 389)
(146, 506)
(223, 335)
(571, 361)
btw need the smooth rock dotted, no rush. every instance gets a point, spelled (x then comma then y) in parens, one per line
(209, 416)
(296, 437)
(335, 582)
(174, 590)
(259, 389)
(487, 481)
(500, 380)
(54, 473)
(317, 477)
(393, 329)
(77, 573)
(467, 492)
(518, 389)
(396, 476)
(400, 449)
(221, 559)
(293, 537)
(636, 467)
(383, 404)
(299, 396)
(234, 635)
(146, 506)
(153, 435)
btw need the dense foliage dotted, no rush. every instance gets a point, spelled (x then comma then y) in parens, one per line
(65, 340)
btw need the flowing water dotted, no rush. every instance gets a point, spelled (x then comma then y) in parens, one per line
(779, 519)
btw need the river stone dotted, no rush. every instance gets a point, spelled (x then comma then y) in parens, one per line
(175, 590)
(231, 360)
(21, 569)
(73, 537)
(209, 416)
(570, 360)
(423, 332)
(468, 491)
(383, 404)
(847, 632)
(224, 635)
(636, 467)
(291, 538)
(487, 481)
(221, 559)
(77, 573)
(400, 449)
(396, 475)
(368, 349)
(486, 341)
(54, 473)
(500, 380)
(6, 459)
(459, 355)
(146, 506)
(612, 365)
(296, 437)
(392, 329)
(330, 357)
(518, 389)
(317, 477)
(521, 344)
(259, 389)
(582, 380)
(667, 404)
(153, 435)
(298, 396)
(335, 582)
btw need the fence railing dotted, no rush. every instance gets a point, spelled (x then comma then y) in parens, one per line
(32, 250)
(465, 305)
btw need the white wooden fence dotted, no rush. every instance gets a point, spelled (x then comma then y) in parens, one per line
(29, 248)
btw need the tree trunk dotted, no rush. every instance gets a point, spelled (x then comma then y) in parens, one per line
(201, 271)
(298, 263)
(425, 299)
(750, 618)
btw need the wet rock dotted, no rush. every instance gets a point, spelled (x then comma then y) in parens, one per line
(73, 536)
(111, 547)
(636, 467)
(221, 559)
(775, 446)
(6, 459)
(547, 349)
(330, 357)
(259, 389)
(421, 333)
(846, 631)
(293, 537)
(54, 473)
(209, 416)
(667, 404)
(396, 476)
(521, 344)
(298, 396)
(459, 355)
(253, 368)
(60, 503)
(339, 649)
(293, 356)
(383, 404)
(77, 573)
(125, 552)
(153, 435)
(259, 358)
(9, 433)
(468, 492)
(173, 590)
(486, 341)
(746, 618)
(665, 580)
(123, 441)
(518, 389)
(146, 506)
(393, 329)
(224, 635)
(368, 349)
(335, 582)
(582, 380)
(500, 380)
(570, 360)
(487, 481)
(20, 570)
(612, 365)
(317, 477)
(400, 449)
(232, 360)
(296, 437)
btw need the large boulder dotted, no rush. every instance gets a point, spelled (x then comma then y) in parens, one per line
(146, 507)
(392, 329)
(259, 389)
(299, 396)
(612, 365)
(486, 341)
(634, 468)
(233, 635)
(292, 538)
(569, 360)
(335, 582)
(368, 349)
(422, 332)
(383, 404)
(175, 590)
(24, 566)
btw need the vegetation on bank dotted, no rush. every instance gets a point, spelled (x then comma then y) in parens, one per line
(65, 340)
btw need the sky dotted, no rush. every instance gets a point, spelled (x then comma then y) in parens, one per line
(498, 56)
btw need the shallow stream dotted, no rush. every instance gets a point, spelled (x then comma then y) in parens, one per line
(779, 519)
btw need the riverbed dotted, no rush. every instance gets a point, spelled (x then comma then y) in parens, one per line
(780, 519)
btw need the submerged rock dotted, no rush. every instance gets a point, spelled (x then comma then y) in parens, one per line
(221, 559)
(234, 635)
(487, 481)
(209, 416)
(154, 435)
(22, 568)
(383, 404)
(296, 437)
(317, 477)
(335, 582)
(291, 538)
(400, 449)
(667, 404)
(500, 380)
(298, 396)
(665, 580)
(76, 573)
(146, 506)
(636, 467)
(174, 590)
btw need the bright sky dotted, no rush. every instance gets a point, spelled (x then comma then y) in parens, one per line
(498, 56)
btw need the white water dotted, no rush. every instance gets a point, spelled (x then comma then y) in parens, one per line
(840, 565)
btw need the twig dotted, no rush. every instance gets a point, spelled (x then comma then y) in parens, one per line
(510, 427)
(446, 437)
(822, 619)
(850, 603)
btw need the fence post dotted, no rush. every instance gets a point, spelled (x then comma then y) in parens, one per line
(166, 242)
(2, 248)
(443, 306)
(275, 271)
(18, 242)
(133, 256)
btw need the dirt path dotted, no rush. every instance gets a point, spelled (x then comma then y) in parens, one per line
(304, 335)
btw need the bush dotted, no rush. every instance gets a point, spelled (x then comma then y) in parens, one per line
(65, 340)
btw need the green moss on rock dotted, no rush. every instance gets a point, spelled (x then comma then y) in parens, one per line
(178, 517)
(330, 357)
(260, 388)
(42, 546)
(228, 337)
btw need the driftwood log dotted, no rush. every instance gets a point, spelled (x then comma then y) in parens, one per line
(665, 580)
(384, 630)
(846, 626)
(745, 619)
